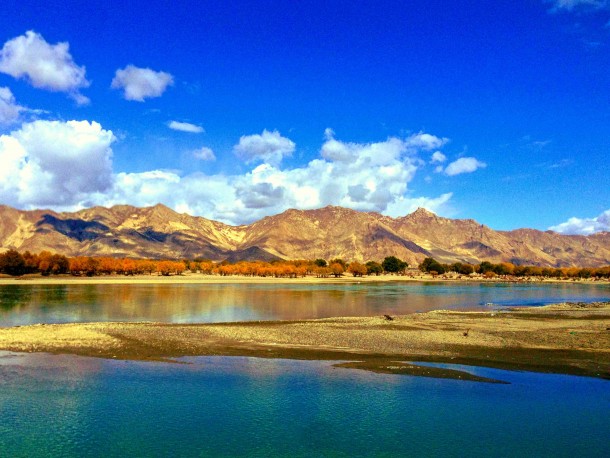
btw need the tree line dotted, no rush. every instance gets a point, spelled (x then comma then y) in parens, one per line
(507, 269)
(46, 263)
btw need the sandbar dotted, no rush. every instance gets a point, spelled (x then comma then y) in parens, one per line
(567, 338)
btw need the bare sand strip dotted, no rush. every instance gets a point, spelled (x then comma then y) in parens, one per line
(562, 338)
(198, 278)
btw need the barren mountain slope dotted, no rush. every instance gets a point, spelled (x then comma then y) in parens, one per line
(122, 230)
(160, 232)
(328, 233)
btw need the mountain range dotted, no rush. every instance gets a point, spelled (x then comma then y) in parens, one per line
(330, 232)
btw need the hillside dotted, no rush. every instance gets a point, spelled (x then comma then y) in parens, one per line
(159, 232)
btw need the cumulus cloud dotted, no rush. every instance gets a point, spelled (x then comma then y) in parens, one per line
(141, 83)
(53, 163)
(584, 226)
(464, 165)
(268, 147)
(363, 176)
(9, 109)
(212, 196)
(204, 153)
(438, 157)
(185, 127)
(68, 166)
(43, 65)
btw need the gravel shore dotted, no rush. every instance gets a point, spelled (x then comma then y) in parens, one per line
(562, 338)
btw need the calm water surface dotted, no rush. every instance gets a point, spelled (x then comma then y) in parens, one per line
(189, 303)
(54, 405)
(223, 406)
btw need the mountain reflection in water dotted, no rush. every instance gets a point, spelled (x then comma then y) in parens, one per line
(192, 303)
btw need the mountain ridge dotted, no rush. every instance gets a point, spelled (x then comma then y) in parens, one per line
(328, 232)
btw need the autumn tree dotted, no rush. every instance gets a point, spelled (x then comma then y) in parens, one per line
(12, 263)
(338, 261)
(322, 272)
(337, 269)
(31, 262)
(128, 266)
(166, 268)
(464, 269)
(147, 266)
(59, 264)
(179, 268)
(205, 267)
(44, 264)
(504, 268)
(357, 269)
(84, 265)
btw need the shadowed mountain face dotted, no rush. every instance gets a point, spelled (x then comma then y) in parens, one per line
(159, 232)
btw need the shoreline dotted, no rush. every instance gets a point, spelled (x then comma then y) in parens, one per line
(196, 278)
(561, 338)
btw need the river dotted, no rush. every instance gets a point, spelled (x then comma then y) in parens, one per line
(198, 303)
(64, 406)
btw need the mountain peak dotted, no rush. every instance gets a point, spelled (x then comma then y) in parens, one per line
(161, 206)
(161, 209)
(421, 211)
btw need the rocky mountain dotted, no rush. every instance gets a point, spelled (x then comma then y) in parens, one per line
(159, 232)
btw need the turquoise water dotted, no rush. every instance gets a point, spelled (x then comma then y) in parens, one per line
(230, 406)
(53, 405)
(189, 303)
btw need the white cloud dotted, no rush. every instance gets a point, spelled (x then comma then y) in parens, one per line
(68, 166)
(268, 147)
(185, 127)
(424, 142)
(570, 5)
(53, 163)
(196, 194)
(9, 109)
(43, 65)
(363, 176)
(367, 176)
(204, 153)
(371, 177)
(584, 226)
(438, 158)
(464, 165)
(141, 83)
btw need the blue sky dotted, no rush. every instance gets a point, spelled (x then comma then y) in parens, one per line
(238, 110)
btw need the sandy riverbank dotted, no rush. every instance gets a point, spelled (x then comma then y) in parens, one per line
(190, 278)
(563, 338)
